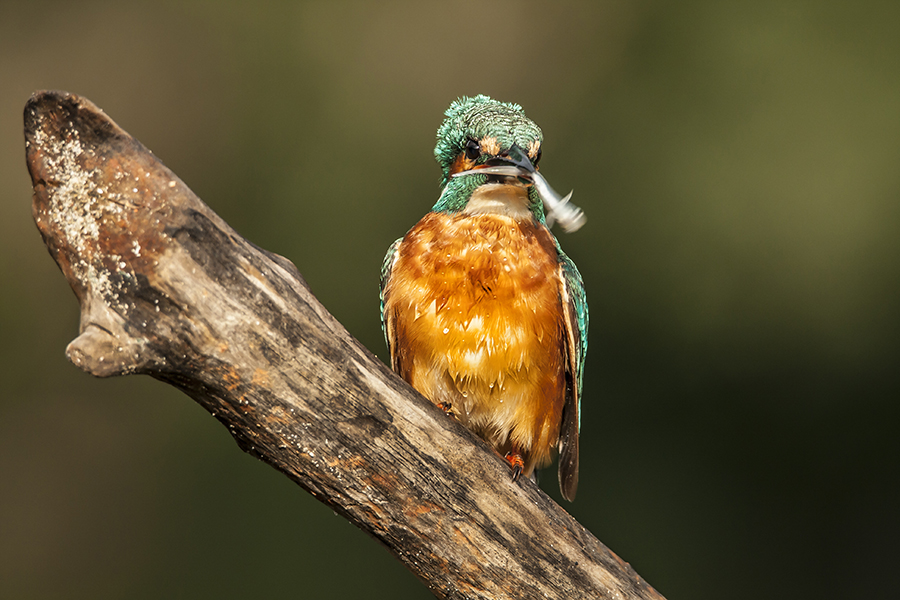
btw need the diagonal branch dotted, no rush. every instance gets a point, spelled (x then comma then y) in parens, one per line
(168, 289)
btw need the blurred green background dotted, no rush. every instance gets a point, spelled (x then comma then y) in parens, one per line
(739, 163)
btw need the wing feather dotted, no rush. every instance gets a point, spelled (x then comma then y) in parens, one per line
(575, 320)
(387, 324)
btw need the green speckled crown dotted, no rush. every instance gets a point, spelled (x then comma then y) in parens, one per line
(478, 117)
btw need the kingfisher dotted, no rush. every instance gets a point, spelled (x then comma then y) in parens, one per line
(482, 311)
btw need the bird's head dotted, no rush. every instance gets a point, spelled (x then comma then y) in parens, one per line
(489, 153)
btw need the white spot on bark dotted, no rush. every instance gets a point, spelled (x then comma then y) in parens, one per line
(74, 208)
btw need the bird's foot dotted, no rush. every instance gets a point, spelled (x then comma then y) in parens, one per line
(517, 462)
(447, 408)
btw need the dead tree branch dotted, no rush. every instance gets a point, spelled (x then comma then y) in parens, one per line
(168, 289)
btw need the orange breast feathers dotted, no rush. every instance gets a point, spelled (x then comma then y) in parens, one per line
(474, 316)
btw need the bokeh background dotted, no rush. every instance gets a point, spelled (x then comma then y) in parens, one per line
(739, 163)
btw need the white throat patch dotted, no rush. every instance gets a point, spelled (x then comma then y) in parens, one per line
(499, 199)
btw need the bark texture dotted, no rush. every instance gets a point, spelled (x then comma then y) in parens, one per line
(168, 289)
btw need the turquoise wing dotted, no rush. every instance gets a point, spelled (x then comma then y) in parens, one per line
(575, 312)
(386, 268)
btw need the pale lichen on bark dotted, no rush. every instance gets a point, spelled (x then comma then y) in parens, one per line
(77, 208)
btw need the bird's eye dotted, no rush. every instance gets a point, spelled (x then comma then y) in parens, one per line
(473, 150)
(537, 157)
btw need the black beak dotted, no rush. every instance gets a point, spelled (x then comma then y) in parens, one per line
(516, 157)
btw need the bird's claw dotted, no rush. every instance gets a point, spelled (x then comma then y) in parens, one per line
(447, 407)
(515, 460)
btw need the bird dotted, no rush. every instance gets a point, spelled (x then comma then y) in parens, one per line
(482, 311)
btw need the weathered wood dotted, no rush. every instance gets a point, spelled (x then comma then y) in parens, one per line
(168, 289)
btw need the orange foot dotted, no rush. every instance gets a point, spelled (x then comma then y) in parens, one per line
(446, 407)
(517, 462)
